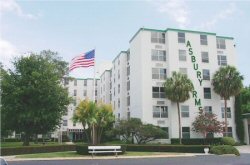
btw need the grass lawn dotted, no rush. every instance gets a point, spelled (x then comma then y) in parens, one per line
(20, 144)
(74, 154)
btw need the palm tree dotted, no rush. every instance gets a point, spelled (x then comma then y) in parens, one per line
(227, 82)
(177, 89)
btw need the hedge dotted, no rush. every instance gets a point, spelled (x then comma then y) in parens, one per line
(168, 148)
(83, 149)
(224, 149)
(198, 141)
(10, 140)
(36, 149)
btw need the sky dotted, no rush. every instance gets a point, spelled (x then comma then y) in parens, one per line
(73, 27)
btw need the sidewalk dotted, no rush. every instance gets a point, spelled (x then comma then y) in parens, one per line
(13, 158)
(243, 149)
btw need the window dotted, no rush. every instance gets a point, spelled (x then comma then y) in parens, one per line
(183, 71)
(223, 112)
(160, 112)
(74, 102)
(158, 55)
(181, 37)
(96, 81)
(207, 93)
(128, 56)
(118, 74)
(185, 132)
(206, 74)
(203, 39)
(229, 132)
(75, 92)
(65, 122)
(182, 55)
(166, 130)
(128, 85)
(128, 101)
(157, 37)
(95, 92)
(184, 111)
(66, 81)
(208, 109)
(119, 116)
(221, 44)
(119, 88)
(159, 73)
(114, 91)
(204, 57)
(222, 60)
(75, 82)
(85, 93)
(85, 83)
(128, 70)
(128, 115)
(119, 102)
(158, 92)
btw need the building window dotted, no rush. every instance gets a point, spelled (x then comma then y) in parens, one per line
(222, 60)
(184, 111)
(74, 102)
(66, 81)
(128, 70)
(159, 73)
(182, 55)
(208, 109)
(119, 88)
(167, 132)
(118, 74)
(119, 102)
(221, 44)
(158, 92)
(229, 132)
(207, 93)
(110, 95)
(128, 101)
(75, 82)
(128, 115)
(157, 37)
(95, 92)
(160, 112)
(204, 57)
(183, 71)
(228, 112)
(206, 74)
(203, 39)
(85, 83)
(75, 92)
(186, 132)
(158, 55)
(181, 37)
(128, 85)
(114, 91)
(65, 122)
(96, 81)
(85, 93)
(128, 56)
(119, 116)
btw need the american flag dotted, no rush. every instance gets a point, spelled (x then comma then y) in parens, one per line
(83, 60)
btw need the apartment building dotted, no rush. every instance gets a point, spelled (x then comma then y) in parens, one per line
(138, 74)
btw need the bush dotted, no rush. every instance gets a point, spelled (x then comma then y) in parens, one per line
(168, 148)
(10, 140)
(198, 141)
(228, 141)
(224, 149)
(83, 149)
(36, 149)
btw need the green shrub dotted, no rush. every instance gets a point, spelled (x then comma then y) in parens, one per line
(83, 149)
(224, 149)
(36, 149)
(168, 148)
(228, 141)
(198, 141)
(10, 140)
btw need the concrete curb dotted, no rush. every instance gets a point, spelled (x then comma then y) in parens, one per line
(13, 158)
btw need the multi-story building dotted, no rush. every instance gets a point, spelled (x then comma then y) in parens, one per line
(139, 73)
(105, 87)
(78, 89)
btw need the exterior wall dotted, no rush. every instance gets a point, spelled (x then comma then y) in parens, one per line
(104, 87)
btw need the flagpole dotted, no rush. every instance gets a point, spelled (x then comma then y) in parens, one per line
(94, 80)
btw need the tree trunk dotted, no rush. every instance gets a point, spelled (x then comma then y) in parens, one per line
(225, 115)
(100, 134)
(179, 120)
(36, 139)
(26, 139)
(94, 140)
(86, 133)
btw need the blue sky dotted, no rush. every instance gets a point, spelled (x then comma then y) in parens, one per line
(72, 27)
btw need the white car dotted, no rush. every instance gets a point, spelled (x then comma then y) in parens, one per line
(3, 162)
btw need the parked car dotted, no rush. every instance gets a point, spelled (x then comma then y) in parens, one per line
(3, 162)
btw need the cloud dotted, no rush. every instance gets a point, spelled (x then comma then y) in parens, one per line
(8, 51)
(222, 15)
(177, 10)
(12, 6)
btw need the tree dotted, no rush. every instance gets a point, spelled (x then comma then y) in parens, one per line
(94, 116)
(33, 99)
(227, 82)
(206, 123)
(245, 97)
(177, 89)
